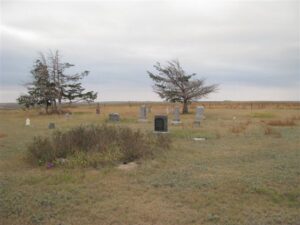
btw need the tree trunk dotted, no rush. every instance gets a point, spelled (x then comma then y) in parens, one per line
(47, 108)
(185, 108)
(59, 105)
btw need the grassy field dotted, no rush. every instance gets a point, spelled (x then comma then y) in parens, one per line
(247, 171)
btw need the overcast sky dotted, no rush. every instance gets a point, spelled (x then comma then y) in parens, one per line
(250, 48)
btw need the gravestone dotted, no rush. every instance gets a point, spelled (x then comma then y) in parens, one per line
(199, 115)
(143, 114)
(98, 109)
(51, 125)
(67, 116)
(27, 122)
(161, 123)
(176, 116)
(114, 117)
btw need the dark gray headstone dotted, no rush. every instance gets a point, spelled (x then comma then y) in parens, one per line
(161, 123)
(51, 125)
(114, 117)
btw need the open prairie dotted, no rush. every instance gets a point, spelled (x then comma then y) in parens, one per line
(246, 171)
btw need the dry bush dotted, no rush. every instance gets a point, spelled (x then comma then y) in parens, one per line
(92, 145)
(286, 122)
(272, 132)
(2, 135)
(218, 134)
(240, 127)
(295, 117)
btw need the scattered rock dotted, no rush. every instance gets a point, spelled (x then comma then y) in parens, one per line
(199, 139)
(128, 166)
(50, 165)
(61, 160)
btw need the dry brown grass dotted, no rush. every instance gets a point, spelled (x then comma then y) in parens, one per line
(272, 132)
(227, 180)
(2, 135)
(286, 122)
(295, 117)
(240, 127)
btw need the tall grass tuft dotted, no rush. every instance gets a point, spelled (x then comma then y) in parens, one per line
(95, 145)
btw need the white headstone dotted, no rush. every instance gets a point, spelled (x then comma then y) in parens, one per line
(67, 116)
(143, 114)
(199, 114)
(176, 116)
(27, 122)
(167, 110)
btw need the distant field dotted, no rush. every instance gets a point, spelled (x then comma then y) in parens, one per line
(247, 171)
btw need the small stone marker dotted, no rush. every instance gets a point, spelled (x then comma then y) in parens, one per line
(161, 123)
(199, 115)
(199, 139)
(143, 114)
(27, 122)
(51, 125)
(98, 109)
(128, 166)
(67, 116)
(176, 116)
(114, 117)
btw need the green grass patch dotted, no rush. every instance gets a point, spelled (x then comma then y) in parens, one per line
(262, 115)
(189, 134)
(291, 198)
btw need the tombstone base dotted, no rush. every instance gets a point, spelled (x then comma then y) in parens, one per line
(142, 120)
(160, 132)
(197, 123)
(174, 122)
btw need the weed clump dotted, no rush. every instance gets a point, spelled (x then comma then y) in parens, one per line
(270, 131)
(286, 122)
(240, 127)
(90, 145)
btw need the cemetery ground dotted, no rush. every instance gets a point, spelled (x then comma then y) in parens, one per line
(246, 171)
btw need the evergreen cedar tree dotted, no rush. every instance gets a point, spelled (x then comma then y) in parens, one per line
(50, 85)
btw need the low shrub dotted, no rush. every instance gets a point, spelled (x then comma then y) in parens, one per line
(94, 145)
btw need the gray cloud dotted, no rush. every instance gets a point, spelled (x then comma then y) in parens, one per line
(243, 46)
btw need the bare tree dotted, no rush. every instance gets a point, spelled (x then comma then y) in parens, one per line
(173, 84)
